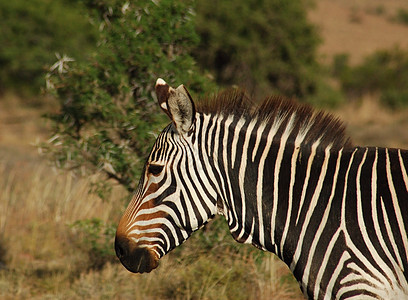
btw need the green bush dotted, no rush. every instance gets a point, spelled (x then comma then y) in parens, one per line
(395, 98)
(325, 95)
(108, 116)
(401, 16)
(3, 252)
(263, 46)
(95, 238)
(340, 65)
(32, 32)
(384, 72)
(378, 10)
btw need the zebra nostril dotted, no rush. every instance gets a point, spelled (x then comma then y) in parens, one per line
(119, 251)
(120, 247)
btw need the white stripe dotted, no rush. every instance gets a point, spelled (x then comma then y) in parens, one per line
(211, 141)
(312, 206)
(343, 201)
(377, 273)
(361, 286)
(306, 182)
(242, 170)
(348, 239)
(279, 157)
(295, 156)
(225, 150)
(259, 185)
(375, 217)
(207, 165)
(326, 258)
(176, 175)
(151, 248)
(159, 222)
(329, 288)
(403, 170)
(390, 234)
(361, 223)
(333, 240)
(180, 159)
(251, 233)
(137, 232)
(195, 188)
(259, 134)
(214, 144)
(321, 227)
(225, 147)
(397, 208)
(358, 274)
(235, 138)
(150, 239)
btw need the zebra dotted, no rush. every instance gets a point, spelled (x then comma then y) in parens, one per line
(287, 179)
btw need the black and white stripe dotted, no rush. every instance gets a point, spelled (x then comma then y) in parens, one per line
(287, 181)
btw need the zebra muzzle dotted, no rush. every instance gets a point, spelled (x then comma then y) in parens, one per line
(135, 259)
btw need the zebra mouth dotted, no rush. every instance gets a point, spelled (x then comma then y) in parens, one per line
(135, 259)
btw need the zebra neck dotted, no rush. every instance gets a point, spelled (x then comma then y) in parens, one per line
(290, 190)
(266, 183)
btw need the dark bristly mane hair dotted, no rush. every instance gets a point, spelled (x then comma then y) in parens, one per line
(324, 126)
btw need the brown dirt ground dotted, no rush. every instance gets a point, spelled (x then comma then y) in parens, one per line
(354, 27)
(359, 29)
(21, 128)
(370, 124)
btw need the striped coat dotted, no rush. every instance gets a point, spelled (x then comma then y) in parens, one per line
(287, 180)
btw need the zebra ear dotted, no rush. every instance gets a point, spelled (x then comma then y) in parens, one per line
(177, 104)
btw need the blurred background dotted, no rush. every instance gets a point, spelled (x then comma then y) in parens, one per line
(78, 115)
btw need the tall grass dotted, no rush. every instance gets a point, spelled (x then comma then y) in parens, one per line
(36, 206)
(45, 257)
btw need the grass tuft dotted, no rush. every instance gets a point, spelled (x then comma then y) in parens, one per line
(56, 242)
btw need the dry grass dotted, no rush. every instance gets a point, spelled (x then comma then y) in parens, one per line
(45, 258)
(21, 124)
(204, 278)
(36, 206)
(370, 124)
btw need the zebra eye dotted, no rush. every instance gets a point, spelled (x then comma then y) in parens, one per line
(155, 169)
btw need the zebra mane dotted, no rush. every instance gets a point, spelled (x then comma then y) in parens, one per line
(321, 125)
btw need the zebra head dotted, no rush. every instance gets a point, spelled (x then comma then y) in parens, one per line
(173, 198)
